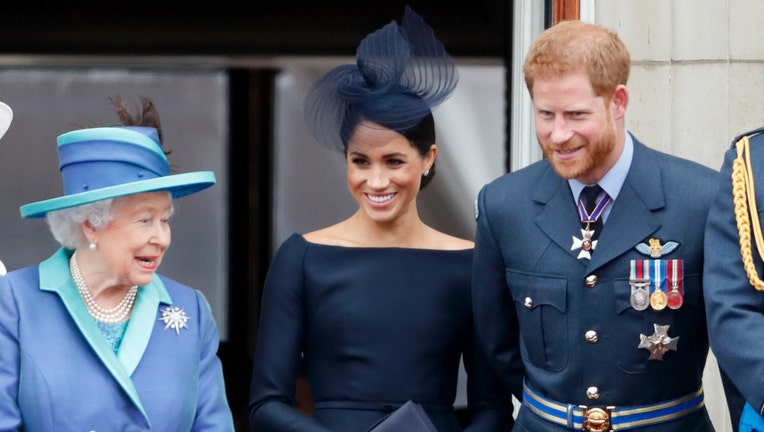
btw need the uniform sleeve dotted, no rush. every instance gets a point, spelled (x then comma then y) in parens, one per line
(277, 358)
(734, 309)
(10, 415)
(496, 325)
(212, 412)
(488, 400)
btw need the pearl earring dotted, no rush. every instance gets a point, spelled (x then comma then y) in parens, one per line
(426, 173)
(92, 246)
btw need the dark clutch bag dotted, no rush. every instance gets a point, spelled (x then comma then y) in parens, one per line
(409, 417)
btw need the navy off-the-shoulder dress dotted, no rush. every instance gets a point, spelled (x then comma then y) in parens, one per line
(375, 328)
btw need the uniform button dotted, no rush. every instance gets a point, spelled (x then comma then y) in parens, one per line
(591, 336)
(591, 281)
(528, 302)
(593, 393)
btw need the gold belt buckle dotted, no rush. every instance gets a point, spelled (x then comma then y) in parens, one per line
(596, 419)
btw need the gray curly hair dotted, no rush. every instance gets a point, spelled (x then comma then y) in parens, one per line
(65, 224)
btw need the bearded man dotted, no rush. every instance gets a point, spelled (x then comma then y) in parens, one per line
(591, 309)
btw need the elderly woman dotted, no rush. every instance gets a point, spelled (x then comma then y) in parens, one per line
(91, 339)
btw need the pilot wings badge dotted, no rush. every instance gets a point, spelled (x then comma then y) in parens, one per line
(655, 249)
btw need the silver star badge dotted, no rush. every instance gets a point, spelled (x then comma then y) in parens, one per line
(585, 243)
(658, 343)
(174, 318)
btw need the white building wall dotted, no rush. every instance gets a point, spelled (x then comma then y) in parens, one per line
(698, 71)
(697, 81)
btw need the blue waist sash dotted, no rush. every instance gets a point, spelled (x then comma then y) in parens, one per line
(607, 418)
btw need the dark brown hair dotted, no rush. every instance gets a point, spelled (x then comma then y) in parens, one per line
(422, 137)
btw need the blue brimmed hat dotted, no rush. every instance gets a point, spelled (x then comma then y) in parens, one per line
(6, 115)
(109, 162)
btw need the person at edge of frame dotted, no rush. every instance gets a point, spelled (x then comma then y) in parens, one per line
(732, 283)
(6, 117)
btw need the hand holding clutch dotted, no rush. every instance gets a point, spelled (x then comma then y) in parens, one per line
(409, 417)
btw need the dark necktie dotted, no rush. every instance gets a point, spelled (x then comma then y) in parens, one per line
(589, 197)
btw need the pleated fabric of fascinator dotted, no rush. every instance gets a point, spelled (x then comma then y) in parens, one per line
(402, 73)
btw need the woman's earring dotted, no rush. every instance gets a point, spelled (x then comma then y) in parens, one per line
(92, 246)
(426, 173)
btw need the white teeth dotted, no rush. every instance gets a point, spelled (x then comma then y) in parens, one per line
(382, 198)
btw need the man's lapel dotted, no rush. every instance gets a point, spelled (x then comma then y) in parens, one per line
(631, 219)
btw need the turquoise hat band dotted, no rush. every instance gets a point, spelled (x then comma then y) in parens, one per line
(178, 185)
(115, 163)
(145, 137)
(96, 158)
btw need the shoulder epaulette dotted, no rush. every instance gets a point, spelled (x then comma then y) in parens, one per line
(750, 134)
(746, 208)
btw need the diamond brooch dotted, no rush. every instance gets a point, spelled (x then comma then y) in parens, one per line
(174, 318)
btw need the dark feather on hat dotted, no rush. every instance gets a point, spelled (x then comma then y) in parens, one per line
(148, 117)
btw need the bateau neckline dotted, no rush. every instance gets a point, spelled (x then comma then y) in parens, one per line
(380, 247)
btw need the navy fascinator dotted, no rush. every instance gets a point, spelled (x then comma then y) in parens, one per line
(401, 73)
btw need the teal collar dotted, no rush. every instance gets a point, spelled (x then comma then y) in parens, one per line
(55, 277)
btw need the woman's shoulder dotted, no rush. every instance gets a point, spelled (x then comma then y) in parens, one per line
(326, 235)
(340, 234)
(425, 238)
(441, 241)
(175, 287)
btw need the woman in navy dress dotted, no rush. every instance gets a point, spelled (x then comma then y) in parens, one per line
(375, 309)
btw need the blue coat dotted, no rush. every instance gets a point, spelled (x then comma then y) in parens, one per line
(575, 339)
(735, 308)
(58, 373)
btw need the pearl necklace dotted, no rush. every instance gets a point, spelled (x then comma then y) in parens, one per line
(112, 315)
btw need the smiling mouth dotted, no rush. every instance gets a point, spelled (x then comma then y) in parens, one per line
(568, 149)
(380, 198)
(146, 261)
(567, 153)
